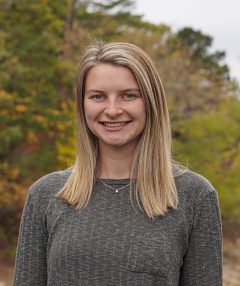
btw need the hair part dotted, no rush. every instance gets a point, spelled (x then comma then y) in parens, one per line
(152, 166)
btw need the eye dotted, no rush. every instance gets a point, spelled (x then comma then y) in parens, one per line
(97, 97)
(129, 96)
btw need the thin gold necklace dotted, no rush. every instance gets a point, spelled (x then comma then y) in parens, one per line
(110, 187)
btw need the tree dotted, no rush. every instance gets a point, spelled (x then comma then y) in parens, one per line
(210, 144)
(199, 44)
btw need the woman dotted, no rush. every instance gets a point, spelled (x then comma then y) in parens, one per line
(124, 214)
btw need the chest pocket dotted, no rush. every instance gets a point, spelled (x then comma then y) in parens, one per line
(149, 255)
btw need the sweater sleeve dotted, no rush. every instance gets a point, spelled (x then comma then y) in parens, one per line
(30, 265)
(202, 265)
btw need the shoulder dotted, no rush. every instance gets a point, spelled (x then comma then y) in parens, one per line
(49, 184)
(193, 186)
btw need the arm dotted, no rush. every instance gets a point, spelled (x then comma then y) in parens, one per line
(202, 265)
(31, 265)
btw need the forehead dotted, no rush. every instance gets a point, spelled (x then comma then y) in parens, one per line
(107, 76)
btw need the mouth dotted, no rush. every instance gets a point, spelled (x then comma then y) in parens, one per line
(114, 124)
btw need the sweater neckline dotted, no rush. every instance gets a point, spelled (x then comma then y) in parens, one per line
(114, 181)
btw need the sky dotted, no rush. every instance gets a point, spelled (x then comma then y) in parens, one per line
(219, 19)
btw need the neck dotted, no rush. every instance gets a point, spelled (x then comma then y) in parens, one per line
(115, 163)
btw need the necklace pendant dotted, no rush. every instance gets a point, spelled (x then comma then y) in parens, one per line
(116, 190)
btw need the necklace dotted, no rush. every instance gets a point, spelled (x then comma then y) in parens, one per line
(116, 190)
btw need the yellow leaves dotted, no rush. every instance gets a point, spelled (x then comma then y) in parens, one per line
(11, 105)
(65, 153)
(6, 101)
(6, 170)
(61, 126)
(32, 137)
(15, 172)
(4, 95)
(21, 108)
(64, 106)
(56, 112)
(39, 118)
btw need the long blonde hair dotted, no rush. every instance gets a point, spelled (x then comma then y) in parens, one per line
(152, 166)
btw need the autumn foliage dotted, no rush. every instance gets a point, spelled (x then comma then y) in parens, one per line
(40, 47)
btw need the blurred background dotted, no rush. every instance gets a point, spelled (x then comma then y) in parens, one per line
(40, 47)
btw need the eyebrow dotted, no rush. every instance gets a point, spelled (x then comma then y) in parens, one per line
(130, 89)
(124, 90)
(94, 90)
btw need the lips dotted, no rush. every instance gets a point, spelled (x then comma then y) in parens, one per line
(114, 124)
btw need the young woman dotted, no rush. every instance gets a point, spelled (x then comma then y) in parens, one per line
(124, 213)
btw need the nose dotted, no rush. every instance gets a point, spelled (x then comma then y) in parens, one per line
(113, 109)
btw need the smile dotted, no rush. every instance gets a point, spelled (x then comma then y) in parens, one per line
(114, 124)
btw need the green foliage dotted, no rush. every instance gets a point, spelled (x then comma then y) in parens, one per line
(107, 6)
(198, 44)
(210, 143)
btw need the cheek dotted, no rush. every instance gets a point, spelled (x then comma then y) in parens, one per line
(88, 117)
(144, 119)
(143, 115)
(90, 112)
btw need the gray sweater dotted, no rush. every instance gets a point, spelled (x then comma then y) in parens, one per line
(108, 243)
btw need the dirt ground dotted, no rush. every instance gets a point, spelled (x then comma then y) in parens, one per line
(231, 265)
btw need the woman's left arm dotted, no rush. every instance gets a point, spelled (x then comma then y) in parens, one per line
(202, 265)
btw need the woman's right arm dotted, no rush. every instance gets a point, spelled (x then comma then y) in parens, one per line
(31, 260)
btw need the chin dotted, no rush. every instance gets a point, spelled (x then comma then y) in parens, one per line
(119, 142)
(115, 144)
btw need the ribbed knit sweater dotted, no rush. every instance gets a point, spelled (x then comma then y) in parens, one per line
(109, 243)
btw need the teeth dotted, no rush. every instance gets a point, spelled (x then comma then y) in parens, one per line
(114, 124)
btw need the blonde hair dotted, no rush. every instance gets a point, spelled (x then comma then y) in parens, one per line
(155, 189)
